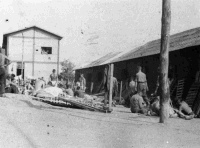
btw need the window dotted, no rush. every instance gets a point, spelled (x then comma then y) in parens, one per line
(46, 50)
(20, 69)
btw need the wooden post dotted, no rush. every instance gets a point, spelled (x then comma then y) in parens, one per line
(92, 82)
(164, 60)
(33, 57)
(120, 92)
(111, 67)
(73, 85)
(91, 87)
(58, 59)
(22, 68)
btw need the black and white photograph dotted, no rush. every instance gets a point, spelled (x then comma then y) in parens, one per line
(99, 74)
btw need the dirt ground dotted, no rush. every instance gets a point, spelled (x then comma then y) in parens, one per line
(29, 123)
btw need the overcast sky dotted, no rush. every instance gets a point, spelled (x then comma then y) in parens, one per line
(92, 28)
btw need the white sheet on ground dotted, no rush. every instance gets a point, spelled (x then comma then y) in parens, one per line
(55, 91)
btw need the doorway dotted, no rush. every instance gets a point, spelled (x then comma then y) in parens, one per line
(20, 69)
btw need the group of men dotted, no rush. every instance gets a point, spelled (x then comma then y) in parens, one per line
(139, 102)
(81, 83)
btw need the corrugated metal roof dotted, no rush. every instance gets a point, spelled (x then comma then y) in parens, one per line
(177, 41)
(101, 61)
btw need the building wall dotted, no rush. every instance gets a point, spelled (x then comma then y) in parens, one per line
(12, 68)
(183, 64)
(32, 41)
(41, 70)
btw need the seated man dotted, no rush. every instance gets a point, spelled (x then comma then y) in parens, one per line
(28, 87)
(129, 92)
(39, 84)
(79, 93)
(11, 86)
(155, 108)
(137, 104)
(77, 84)
(69, 90)
(132, 85)
(184, 111)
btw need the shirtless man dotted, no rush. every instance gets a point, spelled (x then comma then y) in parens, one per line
(184, 110)
(53, 77)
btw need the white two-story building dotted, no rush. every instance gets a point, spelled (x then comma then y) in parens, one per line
(36, 48)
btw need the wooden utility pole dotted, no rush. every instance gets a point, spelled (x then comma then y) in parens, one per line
(111, 69)
(164, 60)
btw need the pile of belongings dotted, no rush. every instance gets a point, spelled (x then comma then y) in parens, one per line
(50, 92)
(90, 100)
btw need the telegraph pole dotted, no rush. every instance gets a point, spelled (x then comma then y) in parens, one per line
(164, 60)
(110, 75)
(22, 68)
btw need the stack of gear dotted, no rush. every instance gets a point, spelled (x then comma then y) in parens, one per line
(50, 92)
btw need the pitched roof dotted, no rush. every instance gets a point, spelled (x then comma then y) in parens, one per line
(33, 27)
(177, 41)
(101, 61)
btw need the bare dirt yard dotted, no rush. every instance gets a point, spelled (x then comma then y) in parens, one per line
(28, 123)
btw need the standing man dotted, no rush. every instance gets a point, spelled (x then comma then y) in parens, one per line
(82, 82)
(106, 86)
(141, 84)
(53, 77)
(2, 75)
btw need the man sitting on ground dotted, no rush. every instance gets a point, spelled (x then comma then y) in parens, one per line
(69, 90)
(39, 84)
(11, 87)
(79, 93)
(137, 104)
(155, 108)
(184, 111)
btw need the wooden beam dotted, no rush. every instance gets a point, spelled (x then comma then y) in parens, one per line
(164, 60)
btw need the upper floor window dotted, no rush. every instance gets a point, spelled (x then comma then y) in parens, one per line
(46, 50)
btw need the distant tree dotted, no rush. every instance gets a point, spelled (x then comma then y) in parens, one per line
(67, 73)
